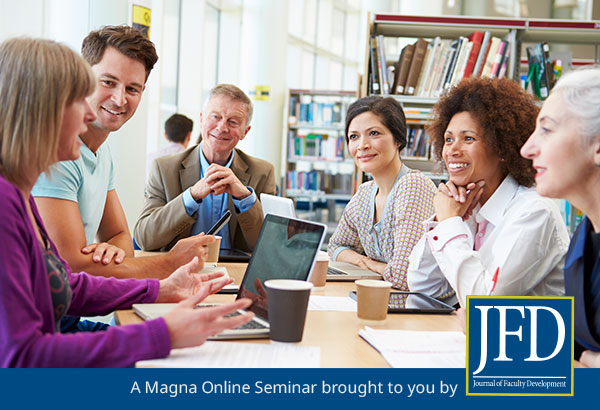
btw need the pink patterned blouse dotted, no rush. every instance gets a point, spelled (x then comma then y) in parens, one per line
(392, 238)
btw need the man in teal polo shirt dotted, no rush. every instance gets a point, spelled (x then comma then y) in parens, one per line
(77, 199)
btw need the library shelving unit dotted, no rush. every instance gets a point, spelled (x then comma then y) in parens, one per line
(521, 31)
(317, 164)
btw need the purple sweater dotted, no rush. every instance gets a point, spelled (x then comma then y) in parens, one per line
(27, 335)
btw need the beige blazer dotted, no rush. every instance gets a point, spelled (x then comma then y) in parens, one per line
(163, 220)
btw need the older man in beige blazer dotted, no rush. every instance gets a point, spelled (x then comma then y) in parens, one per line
(187, 193)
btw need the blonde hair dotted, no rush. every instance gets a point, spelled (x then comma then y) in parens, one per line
(38, 79)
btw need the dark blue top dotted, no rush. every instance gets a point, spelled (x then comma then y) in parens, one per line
(582, 280)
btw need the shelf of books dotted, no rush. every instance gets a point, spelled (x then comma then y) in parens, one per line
(431, 54)
(572, 215)
(317, 163)
(444, 50)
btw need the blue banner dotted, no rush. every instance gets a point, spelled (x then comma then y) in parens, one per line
(111, 389)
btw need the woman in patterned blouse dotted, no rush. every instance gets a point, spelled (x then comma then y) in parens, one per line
(382, 221)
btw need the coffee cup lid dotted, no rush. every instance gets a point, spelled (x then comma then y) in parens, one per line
(288, 284)
(322, 256)
(373, 283)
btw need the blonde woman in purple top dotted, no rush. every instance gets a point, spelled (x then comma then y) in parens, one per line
(43, 86)
(383, 220)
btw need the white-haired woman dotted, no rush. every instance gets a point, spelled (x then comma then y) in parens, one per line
(43, 86)
(565, 150)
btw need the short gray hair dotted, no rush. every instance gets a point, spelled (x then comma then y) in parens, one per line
(580, 90)
(234, 93)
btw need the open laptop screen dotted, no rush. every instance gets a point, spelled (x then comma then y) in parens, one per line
(276, 205)
(286, 249)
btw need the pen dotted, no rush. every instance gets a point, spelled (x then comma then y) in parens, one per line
(220, 223)
(494, 280)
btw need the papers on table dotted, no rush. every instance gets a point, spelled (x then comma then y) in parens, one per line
(246, 355)
(332, 303)
(412, 348)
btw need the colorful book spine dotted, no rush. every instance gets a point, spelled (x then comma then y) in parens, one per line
(427, 66)
(495, 70)
(382, 66)
(402, 68)
(476, 38)
(375, 89)
(482, 56)
(415, 66)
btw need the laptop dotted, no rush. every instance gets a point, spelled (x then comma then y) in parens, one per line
(277, 205)
(347, 272)
(233, 255)
(286, 249)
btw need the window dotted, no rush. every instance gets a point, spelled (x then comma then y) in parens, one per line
(169, 72)
(324, 44)
(212, 20)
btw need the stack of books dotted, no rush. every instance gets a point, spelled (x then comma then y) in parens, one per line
(316, 146)
(429, 68)
(317, 182)
(306, 110)
(418, 144)
(540, 73)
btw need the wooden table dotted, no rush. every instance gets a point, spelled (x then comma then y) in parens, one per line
(336, 333)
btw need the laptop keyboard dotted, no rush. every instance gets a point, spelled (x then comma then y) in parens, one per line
(253, 324)
(332, 271)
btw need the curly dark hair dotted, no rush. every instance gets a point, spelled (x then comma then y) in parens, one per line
(128, 40)
(389, 112)
(505, 113)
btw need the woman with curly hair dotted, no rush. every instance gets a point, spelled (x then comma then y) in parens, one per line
(487, 216)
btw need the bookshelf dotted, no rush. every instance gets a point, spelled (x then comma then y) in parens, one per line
(417, 154)
(451, 35)
(572, 215)
(318, 167)
(516, 31)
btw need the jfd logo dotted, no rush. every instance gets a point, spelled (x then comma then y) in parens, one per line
(519, 345)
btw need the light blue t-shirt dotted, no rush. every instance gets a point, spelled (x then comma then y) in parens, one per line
(213, 207)
(86, 181)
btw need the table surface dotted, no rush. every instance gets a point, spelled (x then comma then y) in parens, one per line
(336, 333)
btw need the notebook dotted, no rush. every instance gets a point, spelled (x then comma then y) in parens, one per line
(286, 249)
(277, 205)
(346, 272)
